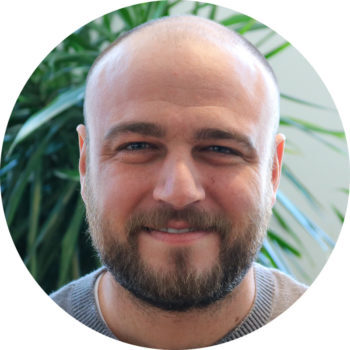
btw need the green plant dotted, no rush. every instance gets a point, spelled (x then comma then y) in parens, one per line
(39, 176)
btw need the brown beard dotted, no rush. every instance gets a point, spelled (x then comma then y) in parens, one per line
(181, 288)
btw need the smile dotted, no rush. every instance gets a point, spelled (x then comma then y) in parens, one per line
(176, 236)
(171, 230)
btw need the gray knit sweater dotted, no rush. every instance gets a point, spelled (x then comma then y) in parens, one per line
(275, 292)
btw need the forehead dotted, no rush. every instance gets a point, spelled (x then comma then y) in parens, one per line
(142, 75)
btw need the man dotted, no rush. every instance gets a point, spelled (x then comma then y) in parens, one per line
(180, 161)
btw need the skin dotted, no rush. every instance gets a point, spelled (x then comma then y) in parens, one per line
(196, 85)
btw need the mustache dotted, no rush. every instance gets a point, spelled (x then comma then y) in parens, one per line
(196, 218)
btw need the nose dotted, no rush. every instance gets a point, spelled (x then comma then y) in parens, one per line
(178, 184)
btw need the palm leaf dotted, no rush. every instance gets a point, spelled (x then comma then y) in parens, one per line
(160, 10)
(309, 127)
(235, 19)
(36, 196)
(338, 213)
(17, 192)
(273, 257)
(287, 172)
(314, 132)
(305, 103)
(60, 104)
(283, 243)
(69, 243)
(52, 220)
(310, 227)
(277, 50)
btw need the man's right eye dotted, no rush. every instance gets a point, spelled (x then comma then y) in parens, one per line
(135, 146)
(138, 152)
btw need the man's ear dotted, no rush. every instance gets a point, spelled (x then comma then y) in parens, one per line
(81, 129)
(277, 164)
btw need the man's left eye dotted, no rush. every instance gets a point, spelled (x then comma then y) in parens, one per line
(222, 150)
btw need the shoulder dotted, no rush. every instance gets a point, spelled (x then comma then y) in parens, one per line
(286, 290)
(79, 290)
(77, 298)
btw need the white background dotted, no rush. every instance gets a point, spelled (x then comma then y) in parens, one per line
(31, 29)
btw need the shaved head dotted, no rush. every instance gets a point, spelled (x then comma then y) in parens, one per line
(178, 31)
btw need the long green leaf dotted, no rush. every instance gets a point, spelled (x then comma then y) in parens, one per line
(315, 134)
(235, 19)
(248, 26)
(69, 243)
(75, 265)
(213, 12)
(274, 257)
(198, 6)
(60, 104)
(125, 15)
(106, 19)
(287, 172)
(160, 9)
(67, 174)
(277, 50)
(284, 225)
(254, 27)
(338, 213)
(8, 167)
(316, 232)
(36, 195)
(138, 12)
(54, 216)
(308, 126)
(264, 259)
(283, 243)
(21, 183)
(173, 3)
(306, 103)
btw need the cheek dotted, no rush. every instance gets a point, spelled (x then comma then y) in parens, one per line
(119, 192)
(236, 193)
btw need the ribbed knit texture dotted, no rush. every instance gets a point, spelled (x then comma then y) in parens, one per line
(261, 310)
(77, 298)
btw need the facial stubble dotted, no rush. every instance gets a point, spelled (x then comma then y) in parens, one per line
(180, 287)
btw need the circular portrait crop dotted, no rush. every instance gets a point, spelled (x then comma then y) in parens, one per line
(174, 175)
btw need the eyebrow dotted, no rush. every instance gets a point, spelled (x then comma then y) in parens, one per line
(219, 134)
(142, 128)
(155, 130)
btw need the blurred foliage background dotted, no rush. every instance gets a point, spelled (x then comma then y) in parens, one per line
(39, 165)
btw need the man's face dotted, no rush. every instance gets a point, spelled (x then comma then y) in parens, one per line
(178, 183)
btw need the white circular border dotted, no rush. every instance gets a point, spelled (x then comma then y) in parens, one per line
(30, 30)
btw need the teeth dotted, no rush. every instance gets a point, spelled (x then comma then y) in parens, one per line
(173, 230)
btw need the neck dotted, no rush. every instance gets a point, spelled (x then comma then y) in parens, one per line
(133, 322)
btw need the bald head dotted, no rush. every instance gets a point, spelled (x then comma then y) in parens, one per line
(189, 27)
(176, 35)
